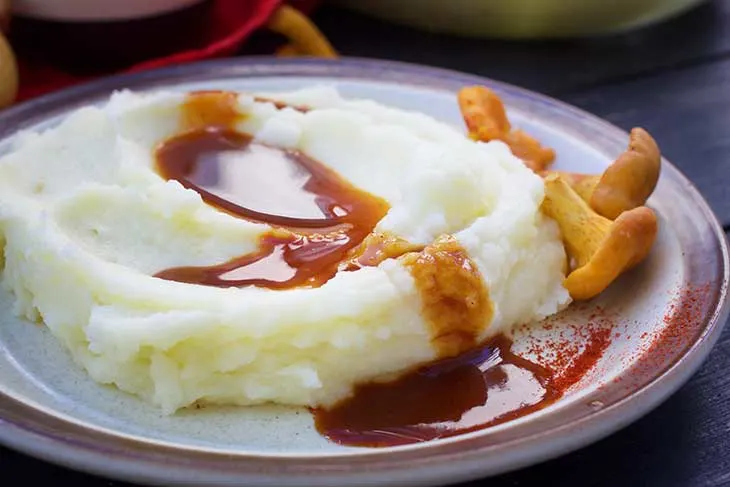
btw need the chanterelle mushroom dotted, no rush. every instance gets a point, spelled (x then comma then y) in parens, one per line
(486, 119)
(627, 183)
(600, 249)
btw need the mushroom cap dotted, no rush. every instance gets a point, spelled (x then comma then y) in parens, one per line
(483, 112)
(628, 242)
(630, 180)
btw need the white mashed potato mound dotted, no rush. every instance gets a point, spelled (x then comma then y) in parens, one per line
(86, 222)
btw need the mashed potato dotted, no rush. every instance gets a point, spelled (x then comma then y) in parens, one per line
(86, 222)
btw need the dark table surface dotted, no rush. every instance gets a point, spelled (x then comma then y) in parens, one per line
(674, 80)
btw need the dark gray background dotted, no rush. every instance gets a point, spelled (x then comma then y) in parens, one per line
(674, 80)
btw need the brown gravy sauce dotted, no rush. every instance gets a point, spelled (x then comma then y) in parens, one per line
(319, 216)
(455, 300)
(480, 388)
(322, 225)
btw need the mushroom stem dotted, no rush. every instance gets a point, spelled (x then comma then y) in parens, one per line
(627, 183)
(600, 249)
(583, 184)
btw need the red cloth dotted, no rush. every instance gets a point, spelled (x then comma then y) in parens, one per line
(231, 23)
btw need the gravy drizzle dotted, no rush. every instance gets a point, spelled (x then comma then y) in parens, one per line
(225, 166)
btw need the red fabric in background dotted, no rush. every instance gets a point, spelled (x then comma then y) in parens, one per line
(230, 24)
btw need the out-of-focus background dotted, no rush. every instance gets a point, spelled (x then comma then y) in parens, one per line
(521, 19)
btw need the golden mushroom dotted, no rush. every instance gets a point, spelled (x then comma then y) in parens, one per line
(483, 113)
(627, 183)
(600, 249)
(486, 119)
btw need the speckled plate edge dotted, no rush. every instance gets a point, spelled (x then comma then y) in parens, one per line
(60, 440)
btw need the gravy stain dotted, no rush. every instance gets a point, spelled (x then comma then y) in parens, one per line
(455, 299)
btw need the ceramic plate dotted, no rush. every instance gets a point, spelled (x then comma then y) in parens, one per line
(661, 321)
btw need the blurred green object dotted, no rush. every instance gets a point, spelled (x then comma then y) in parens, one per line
(522, 19)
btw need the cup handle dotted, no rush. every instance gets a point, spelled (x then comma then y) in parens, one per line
(8, 63)
(304, 38)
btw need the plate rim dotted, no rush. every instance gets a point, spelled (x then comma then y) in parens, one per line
(24, 434)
